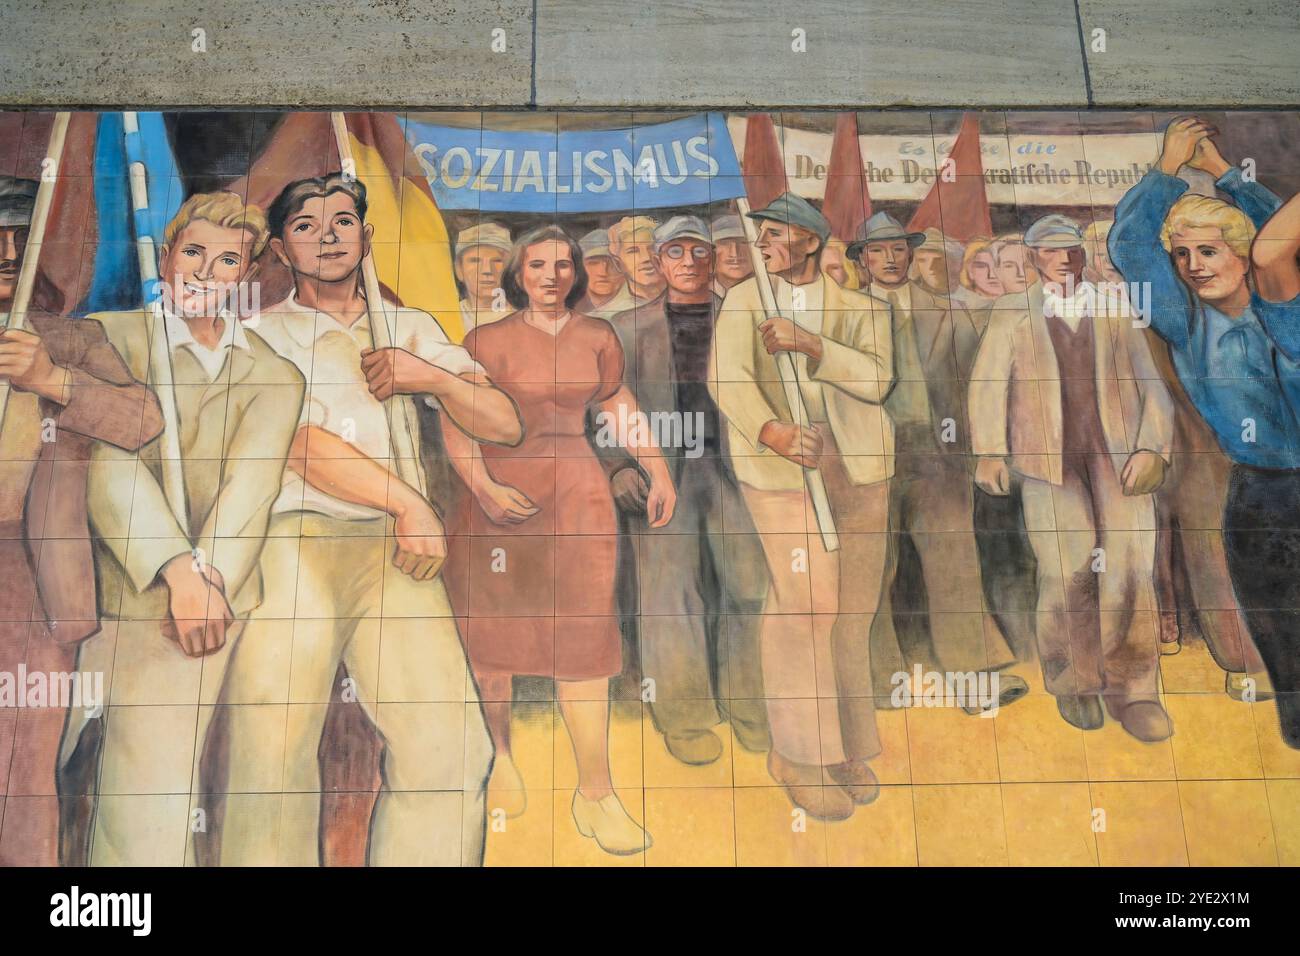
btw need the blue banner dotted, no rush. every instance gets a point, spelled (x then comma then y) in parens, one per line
(685, 162)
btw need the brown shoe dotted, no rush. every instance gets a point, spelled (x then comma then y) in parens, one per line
(857, 779)
(804, 787)
(1147, 721)
(1235, 685)
(696, 749)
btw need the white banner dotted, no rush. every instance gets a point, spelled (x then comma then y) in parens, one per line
(1061, 170)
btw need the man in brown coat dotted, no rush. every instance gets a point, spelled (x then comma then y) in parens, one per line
(69, 389)
(1064, 394)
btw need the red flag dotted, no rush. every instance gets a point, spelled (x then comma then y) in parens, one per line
(960, 209)
(763, 165)
(67, 251)
(848, 204)
(301, 147)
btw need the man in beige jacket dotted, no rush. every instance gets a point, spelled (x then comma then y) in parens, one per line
(1064, 393)
(174, 593)
(814, 642)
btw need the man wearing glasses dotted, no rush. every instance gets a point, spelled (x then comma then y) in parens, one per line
(701, 591)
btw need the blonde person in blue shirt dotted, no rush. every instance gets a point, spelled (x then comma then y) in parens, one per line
(1194, 252)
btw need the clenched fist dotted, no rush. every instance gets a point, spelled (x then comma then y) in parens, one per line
(784, 335)
(801, 445)
(1182, 137)
(993, 476)
(29, 368)
(630, 490)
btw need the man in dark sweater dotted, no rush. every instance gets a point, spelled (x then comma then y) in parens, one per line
(702, 580)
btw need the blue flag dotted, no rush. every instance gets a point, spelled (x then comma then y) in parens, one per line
(117, 283)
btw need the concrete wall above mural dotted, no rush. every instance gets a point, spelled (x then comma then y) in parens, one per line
(509, 54)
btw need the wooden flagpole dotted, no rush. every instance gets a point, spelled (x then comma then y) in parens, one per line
(160, 355)
(402, 427)
(36, 235)
(813, 479)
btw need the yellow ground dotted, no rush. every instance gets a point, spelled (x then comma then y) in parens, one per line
(1023, 788)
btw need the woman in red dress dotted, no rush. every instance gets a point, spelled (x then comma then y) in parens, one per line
(532, 550)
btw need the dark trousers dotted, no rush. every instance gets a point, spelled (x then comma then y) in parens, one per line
(1008, 567)
(1261, 528)
(702, 583)
(930, 504)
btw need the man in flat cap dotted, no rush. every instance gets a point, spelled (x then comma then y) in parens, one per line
(702, 576)
(69, 389)
(1065, 393)
(607, 291)
(814, 640)
(732, 263)
(931, 496)
(481, 253)
(630, 240)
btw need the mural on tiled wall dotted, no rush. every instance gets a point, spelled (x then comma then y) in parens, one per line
(594, 488)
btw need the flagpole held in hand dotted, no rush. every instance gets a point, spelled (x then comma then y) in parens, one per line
(36, 235)
(402, 427)
(160, 355)
(813, 480)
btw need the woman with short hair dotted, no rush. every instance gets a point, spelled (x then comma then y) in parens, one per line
(532, 551)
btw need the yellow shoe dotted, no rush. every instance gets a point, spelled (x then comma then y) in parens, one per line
(608, 822)
(505, 788)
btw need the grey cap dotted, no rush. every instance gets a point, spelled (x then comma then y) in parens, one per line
(1054, 232)
(881, 227)
(794, 211)
(17, 198)
(595, 243)
(727, 227)
(682, 227)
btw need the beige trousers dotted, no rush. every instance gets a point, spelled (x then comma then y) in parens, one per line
(333, 595)
(159, 703)
(815, 640)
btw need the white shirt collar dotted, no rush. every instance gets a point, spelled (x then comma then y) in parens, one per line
(1071, 309)
(179, 336)
(292, 304)
(178, 331)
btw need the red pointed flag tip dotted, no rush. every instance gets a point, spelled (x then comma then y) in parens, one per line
(62, 276)
(848, 204)
(960, 208)
(763, 164)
